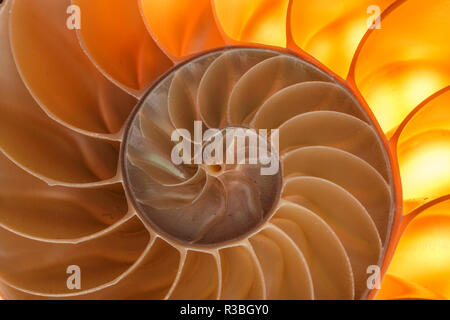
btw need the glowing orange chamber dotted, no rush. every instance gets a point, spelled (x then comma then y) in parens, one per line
(243, 172)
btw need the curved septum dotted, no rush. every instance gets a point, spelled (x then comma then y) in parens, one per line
(330, 197)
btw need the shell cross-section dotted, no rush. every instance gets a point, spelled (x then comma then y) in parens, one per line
(309, 228)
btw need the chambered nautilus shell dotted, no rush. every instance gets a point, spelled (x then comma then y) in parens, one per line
(89, 179)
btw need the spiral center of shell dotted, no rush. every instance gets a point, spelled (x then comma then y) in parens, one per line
(218, 145)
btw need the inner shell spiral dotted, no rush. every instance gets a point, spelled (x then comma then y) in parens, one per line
(330, 205)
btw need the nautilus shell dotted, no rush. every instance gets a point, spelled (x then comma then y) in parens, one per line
(91, 120)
